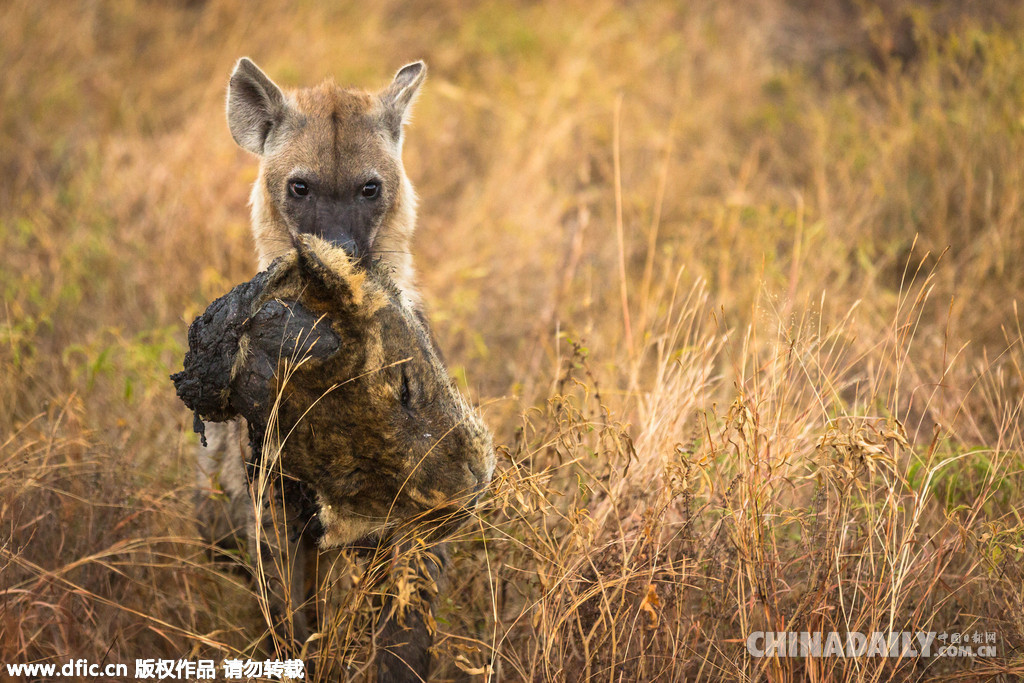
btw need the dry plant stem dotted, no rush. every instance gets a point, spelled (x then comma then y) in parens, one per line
(616, 152)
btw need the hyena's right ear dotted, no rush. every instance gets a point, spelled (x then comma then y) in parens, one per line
(398, 97)
(255, 106)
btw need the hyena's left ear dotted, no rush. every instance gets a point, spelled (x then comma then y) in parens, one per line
(255, 106)
(398, 97)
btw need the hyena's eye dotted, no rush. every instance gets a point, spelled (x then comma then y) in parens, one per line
(371, 190)
(298, 188)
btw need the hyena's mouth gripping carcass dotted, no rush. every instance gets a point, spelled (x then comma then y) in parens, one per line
(346, 399)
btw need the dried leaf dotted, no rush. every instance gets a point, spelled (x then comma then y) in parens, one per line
(466, 666)
(650, 604)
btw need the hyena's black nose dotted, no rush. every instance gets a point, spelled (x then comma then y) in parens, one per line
(349, 238)
(351, 247)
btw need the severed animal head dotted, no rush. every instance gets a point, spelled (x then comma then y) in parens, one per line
(340, 379)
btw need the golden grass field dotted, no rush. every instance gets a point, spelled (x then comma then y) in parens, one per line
(734, 283)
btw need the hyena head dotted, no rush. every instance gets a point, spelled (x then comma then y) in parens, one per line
(330, 165)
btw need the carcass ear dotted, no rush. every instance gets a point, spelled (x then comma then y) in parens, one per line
(255, 106)
(328, 273)
(398, 97)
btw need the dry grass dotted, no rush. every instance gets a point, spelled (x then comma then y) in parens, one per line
(735, 284)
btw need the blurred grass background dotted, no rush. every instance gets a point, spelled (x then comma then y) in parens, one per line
(786, 398)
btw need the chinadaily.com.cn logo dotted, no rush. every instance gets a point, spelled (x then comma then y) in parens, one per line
(876, 644)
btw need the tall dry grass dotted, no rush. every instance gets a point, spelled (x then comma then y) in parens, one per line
(735, 284)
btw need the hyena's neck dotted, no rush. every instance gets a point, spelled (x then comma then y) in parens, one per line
(391, 244)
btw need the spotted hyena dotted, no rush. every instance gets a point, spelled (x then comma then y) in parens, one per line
(330, 167)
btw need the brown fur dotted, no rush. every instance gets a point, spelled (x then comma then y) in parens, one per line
(376, 428)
